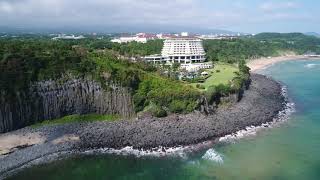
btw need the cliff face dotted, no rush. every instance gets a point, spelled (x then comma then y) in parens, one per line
(209, 107)
(54, 99)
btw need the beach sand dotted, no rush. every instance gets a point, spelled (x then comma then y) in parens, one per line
(11, 142)
(262, 63)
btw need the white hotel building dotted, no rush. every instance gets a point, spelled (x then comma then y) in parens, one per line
(187, 51)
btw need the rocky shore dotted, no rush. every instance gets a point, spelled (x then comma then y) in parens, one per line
(260, 104)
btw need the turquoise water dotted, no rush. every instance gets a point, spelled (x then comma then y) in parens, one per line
(290, 151)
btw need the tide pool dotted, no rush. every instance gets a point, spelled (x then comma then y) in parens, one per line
(289, 151)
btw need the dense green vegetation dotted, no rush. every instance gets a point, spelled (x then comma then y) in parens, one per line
(261, 45)
(139, 49)
(239, 82)
(297, 42)
(166, 93)
(24, 61)
(79, 119)
(27, 59)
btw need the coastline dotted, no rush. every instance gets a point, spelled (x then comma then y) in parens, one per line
(262, 63)
(260, 104)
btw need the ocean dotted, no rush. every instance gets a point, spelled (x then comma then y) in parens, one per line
(288, 150)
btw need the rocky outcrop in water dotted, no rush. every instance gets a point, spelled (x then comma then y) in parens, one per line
(47, 100)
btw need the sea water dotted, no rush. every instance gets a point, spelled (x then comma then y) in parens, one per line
(289, 150)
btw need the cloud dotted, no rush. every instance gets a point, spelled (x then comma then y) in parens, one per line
(274, 6)
(111, 12)
(5, 7)
(144, 13)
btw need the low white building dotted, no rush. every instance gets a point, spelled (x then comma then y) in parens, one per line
(140, 38)
(196, 66)
(156, 59)
(63, 36)
(129, 39)
(184, 34)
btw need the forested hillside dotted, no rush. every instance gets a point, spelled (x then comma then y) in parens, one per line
(297, 42)
(26, 61)
(260, 45)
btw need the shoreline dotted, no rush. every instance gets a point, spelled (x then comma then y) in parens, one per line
(260, 104)
(262, 63)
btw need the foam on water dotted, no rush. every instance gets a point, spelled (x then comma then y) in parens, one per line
(178, 151)
(213, 155)
(311, 65)
(282, 116)
(155, 152)
(183, 151)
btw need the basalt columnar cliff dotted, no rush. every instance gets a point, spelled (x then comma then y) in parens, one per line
(261, 103)
(50, 99)
(51, 79)
(44, 80)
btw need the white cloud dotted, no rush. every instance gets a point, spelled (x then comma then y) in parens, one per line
(108, 12)
(5, 7)
(273, 6)
(142, 13)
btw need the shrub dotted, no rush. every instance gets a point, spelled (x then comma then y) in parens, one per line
(200, 86)
(210, 93)
(177, 106)
(217, 71)
(191, 106)
(158, 111)
(223, 90)
(139, 102)
(166, 93)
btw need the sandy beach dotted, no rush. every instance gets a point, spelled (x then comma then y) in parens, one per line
(262, 63)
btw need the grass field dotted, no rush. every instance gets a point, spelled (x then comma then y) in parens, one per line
(220, 74)
(78, 118)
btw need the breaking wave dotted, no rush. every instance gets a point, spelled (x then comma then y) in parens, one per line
(311, 65)
(282, 116)
(155, 152)
(213, 155)
(179, 151)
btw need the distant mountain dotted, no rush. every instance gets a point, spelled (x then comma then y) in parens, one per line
(312, 34)
(115, 29)
(287, 36)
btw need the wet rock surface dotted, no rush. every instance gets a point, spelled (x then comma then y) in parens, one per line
(260, 104)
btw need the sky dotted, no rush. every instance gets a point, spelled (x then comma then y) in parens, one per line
(249, 16)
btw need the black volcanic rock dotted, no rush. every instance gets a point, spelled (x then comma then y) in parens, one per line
(260, 104)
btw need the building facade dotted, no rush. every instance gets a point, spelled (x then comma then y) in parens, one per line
(183, 50)
(187, 51)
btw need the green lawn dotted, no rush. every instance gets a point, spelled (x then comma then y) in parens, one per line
(78, 118)
(220, 74)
